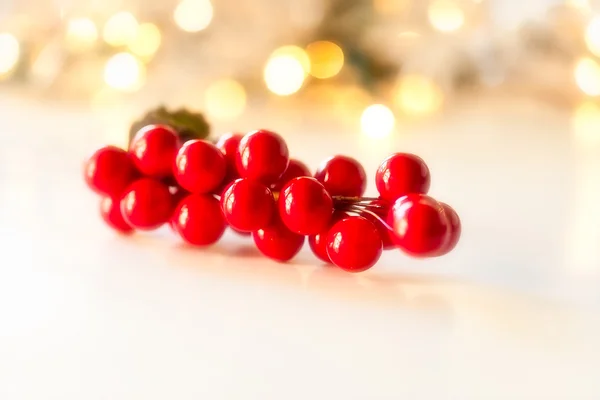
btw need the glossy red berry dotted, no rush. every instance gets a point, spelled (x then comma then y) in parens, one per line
(420, 225)
(228, 144)
(455, 230)
(401, 174)
(110, 211)
(200, 166)
(153, 150)
(305, 206)
(198, 220)
(147, 204)
(247, 205)
(342, 176)
(353, 244)
(262, 156)
(295, 169)
(277, 242)
(109, 171)
(318, 242)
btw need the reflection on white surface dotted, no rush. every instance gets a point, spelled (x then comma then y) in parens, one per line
(87, 314)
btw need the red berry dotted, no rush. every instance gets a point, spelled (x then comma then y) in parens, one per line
(318, 243)
(294, 170)
(420, 226)
(109, 171)
(455, 230)
(198, 220)
(276, 241)
(342, 176)
(153, 150)
(353, 244)
(247, 205)
(228, 144)
(199, 166)
(305, 206)
(110, 211)
(401, 174)
(147, 204)
(262, 156)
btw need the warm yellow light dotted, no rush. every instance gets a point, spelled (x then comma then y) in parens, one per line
(377, 121)
(586, 123)
(9, 53)
(326, 59)
(124, 72)
(417, 94)
(225, 99)
(445, 15)
(193, 15)
(147, 40)
(284, 75)
(583, 5)
(120, 29)
(587, 76)
(592, 36)
(81, 34)
(296, 52)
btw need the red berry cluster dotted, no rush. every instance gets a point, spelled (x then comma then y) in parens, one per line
(249, 183)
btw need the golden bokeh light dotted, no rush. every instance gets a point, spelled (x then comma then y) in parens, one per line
(296, 52)
(377, 121)
(587, 76)
(193, 15)
(326, 59)
(417, 95)
(445, 15)
(10, 51)
(592, 36)
(124, 72)
(81, 34)
(120, 29)
(147, 40)
(225, 99)
(284, 75)
(586, 123)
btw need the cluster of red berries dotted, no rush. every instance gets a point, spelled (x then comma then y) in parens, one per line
(249, 183)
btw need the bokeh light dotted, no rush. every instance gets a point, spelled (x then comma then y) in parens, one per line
(225, 99)
(193, 15)
(586, 123)
(147, 40)
(284, 75)
(9, 53)
(120, 29)
(592, 36)
(377, 121)
(417, 95)
(124, 72)
(445, 15)
(326, 59)
(81, 34)
(296, 52)
(587, 76)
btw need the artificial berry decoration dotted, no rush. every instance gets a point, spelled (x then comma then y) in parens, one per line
(354, 244)
(401, 174)
(247, 205)
(305, 206)
(277, 242)
(198, 220)
(147, 204)
(262, 156)
(153, 150)
(109, 171)
(200, 166)
(455, 229)
(420, 225)
(295, 169)
(342, 176)
(249, 184)
(110, 211)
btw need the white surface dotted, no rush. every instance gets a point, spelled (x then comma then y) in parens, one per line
(513, 313)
